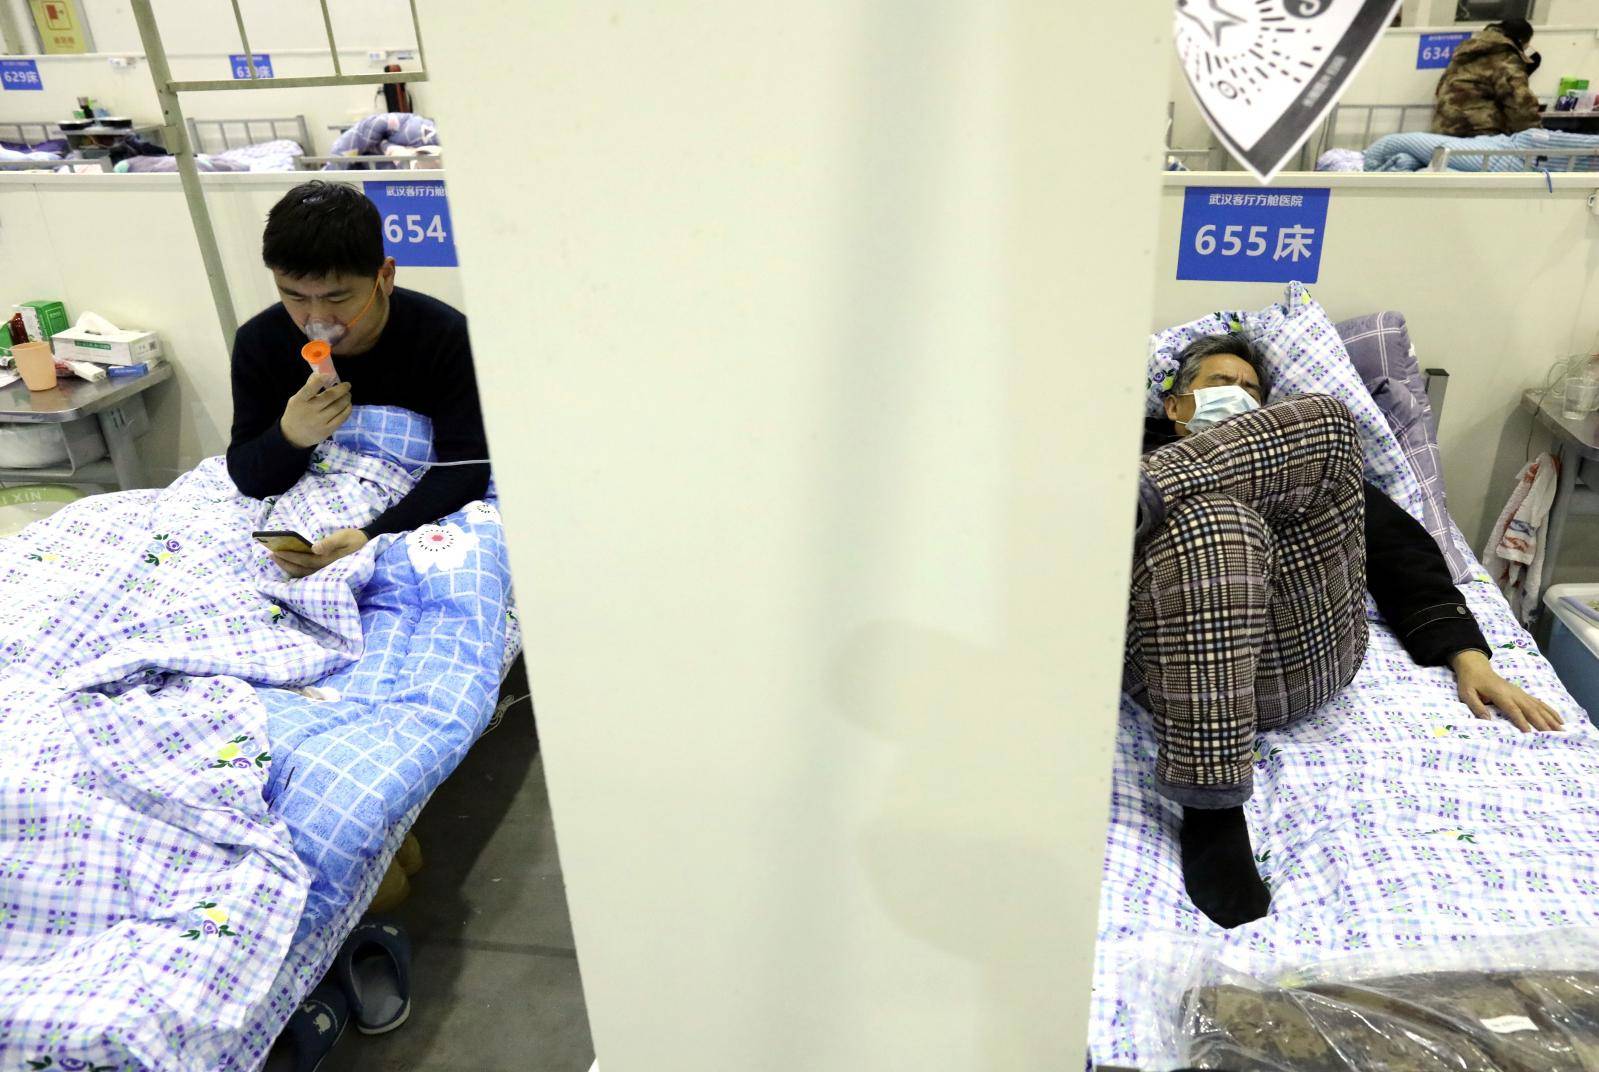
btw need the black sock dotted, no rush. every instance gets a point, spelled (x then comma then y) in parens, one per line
(1219, 866)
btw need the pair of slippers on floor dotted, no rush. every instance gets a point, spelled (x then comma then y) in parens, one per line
(370, 982)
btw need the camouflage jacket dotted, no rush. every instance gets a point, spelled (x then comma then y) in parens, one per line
(1484, 89)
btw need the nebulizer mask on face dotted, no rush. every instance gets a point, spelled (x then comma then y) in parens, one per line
(1212, 405)
(327, 332)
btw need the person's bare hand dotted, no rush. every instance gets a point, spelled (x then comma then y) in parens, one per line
(313, 413)
(330, 548)
(1481, 689)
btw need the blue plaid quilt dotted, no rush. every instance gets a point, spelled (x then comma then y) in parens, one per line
(202, 761)
(1389, 820)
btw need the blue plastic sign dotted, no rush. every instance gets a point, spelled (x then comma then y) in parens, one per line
(241, 69)
(1435, 50)
(20, 74)
(1268, 235)
(416, 222)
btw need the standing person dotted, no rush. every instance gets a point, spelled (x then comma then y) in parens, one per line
(1484, 89)
(392, 347)
(1257, 543)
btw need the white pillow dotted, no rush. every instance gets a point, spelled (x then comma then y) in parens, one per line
(1304, 355)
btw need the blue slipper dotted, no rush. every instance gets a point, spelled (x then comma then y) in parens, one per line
(374, 968)
(312, 1031)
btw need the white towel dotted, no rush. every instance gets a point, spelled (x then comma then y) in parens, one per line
(1514, 556)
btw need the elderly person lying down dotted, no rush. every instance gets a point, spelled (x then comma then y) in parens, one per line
(1257, 542)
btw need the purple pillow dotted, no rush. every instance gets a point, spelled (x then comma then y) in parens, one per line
(1380, 349)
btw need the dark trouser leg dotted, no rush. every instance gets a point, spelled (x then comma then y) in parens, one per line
(1247, 606)
(1199, 614)
(1247, 611)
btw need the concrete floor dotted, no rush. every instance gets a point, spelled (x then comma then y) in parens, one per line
(496, 985)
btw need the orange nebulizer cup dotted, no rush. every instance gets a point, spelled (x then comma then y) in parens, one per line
(319, 355)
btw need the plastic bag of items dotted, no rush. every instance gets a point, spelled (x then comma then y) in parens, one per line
(1521, 1003)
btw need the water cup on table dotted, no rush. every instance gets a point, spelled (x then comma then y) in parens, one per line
(1581, 397)
(36, 364)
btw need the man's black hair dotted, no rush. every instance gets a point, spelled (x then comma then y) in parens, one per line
(1518, 30)
(1234, 343)
(323, 228)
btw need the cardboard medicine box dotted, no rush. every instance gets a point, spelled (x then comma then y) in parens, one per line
(110, 348)
(43, 319)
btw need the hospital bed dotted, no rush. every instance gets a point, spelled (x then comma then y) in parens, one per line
(222, 135)
(34, 146)
(205, 768)
(1396, 137)
(1432, 875)
(265, 143)
(259, 144)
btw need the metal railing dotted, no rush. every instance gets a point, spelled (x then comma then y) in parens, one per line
(206, 134)
(1341, 117)
(1531, 159)
(19, 133)
(378, 162)
(1407, 118)
(1205, 157)
(169, 90)
(100, 163)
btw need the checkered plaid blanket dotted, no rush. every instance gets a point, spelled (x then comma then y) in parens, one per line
(1390, 819)
(199, 759)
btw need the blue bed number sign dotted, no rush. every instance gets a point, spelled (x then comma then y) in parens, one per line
(416, 222)
(1436, 50)
(1266, 235)
(20, 74)
(241, 68)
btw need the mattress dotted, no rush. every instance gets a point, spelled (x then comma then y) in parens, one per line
(1389, 820)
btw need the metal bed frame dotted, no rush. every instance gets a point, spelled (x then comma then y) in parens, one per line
(169, 94)
(1328, 136)
(1534, 159)
(1182, 156)
(101, 162)
(396, 163)
(1365, 116)
(1435, 381)
(19, 132)
(207, 135)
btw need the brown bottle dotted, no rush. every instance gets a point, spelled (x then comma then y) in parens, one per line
(19, 333)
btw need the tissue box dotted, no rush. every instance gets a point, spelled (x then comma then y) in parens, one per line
(43, 318)
(108, 348)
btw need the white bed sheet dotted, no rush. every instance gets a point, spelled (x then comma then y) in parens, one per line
(1389, 819)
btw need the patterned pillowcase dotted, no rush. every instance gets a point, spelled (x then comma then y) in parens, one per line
(1304, 355)
(1380, 349)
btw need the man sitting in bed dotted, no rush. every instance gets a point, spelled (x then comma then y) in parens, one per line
(1257, 541)
(391, 347)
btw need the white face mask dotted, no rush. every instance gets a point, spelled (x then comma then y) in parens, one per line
(332, 331)
(1212, 405)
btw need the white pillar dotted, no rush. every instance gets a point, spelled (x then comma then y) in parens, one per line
(811, 345)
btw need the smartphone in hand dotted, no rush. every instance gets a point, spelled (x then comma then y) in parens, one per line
(283, 540)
